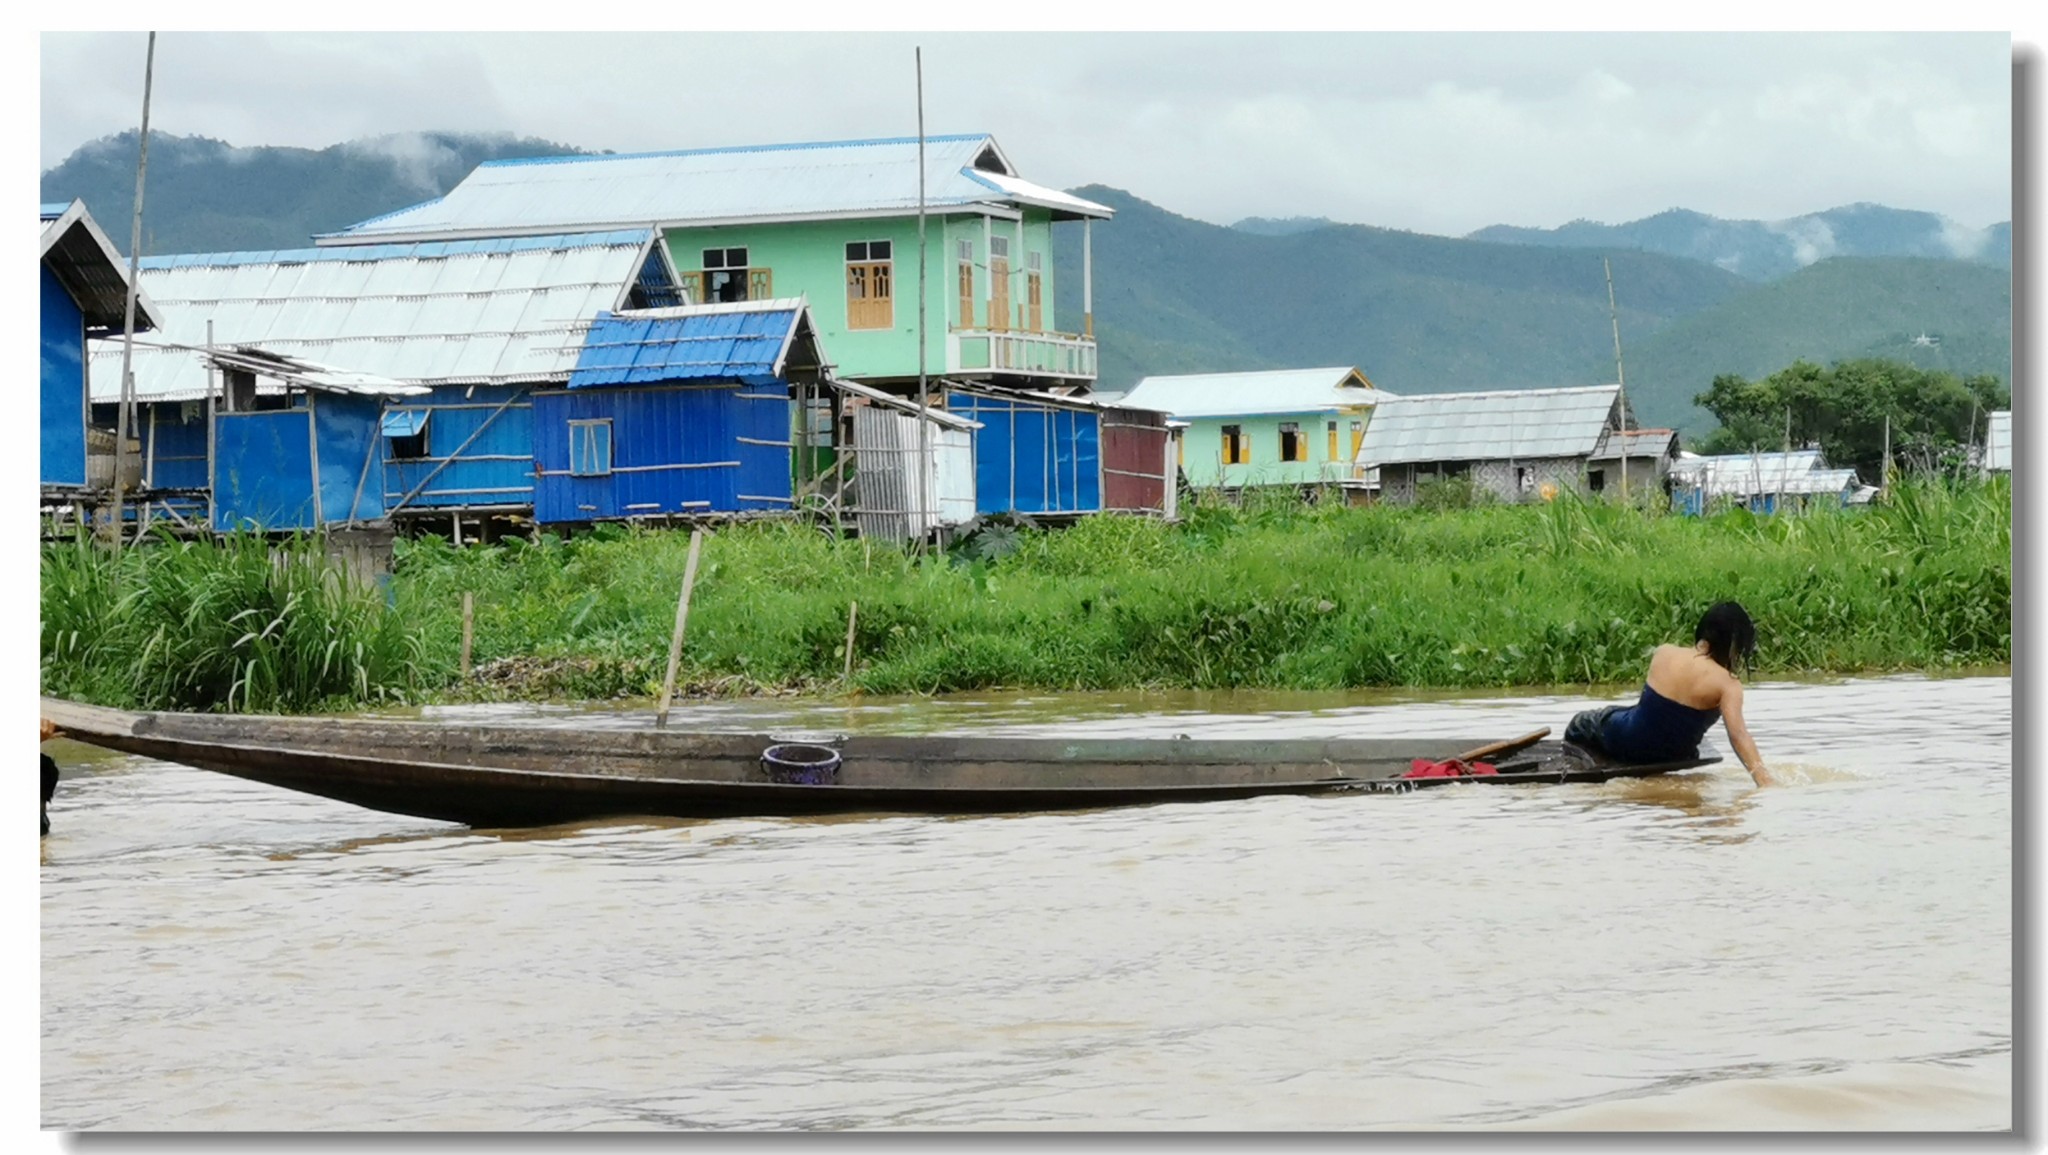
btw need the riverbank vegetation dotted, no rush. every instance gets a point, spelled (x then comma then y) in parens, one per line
(1267, 594)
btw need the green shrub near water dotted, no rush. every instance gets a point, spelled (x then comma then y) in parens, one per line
(230, 625)
(1268, 594)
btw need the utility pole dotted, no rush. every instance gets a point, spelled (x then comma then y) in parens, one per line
(924, 425)
(122, 420)
(1620, 384)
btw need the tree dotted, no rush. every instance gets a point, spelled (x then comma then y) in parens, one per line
(1843, 409)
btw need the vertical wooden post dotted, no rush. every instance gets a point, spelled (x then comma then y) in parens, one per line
(675, 643)
(852, 612)
(468, 629)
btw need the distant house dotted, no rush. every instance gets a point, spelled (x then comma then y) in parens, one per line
(676, 411)
(1762, 482)
(1998, 442)
(1273, 427)
(1641, 457)
(835, 222)
(1515, 444)
(84, 296)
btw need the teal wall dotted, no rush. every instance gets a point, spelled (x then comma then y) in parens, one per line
(1202, 450)
(808, 259)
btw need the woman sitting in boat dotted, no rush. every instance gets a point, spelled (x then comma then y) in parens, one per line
(1685, 692)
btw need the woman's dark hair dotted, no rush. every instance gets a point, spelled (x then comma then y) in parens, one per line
(1729, 634)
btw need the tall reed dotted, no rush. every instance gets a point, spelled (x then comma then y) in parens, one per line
(239, 624)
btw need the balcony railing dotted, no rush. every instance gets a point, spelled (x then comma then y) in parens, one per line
(1020, 351)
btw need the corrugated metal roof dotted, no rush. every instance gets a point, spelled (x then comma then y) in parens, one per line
(1998, 441)
(1251, 394)
(891, 401)
(52, 211)
(298, 371)
(742, 341)
(1491, 426)
(1802, 471)
(1638, 443)
(470, 312)
(78, 252)
(856, 178)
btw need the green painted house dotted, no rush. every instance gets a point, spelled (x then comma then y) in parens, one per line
(1274, 427)
(836, 223)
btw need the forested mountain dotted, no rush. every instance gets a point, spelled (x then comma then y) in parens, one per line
(1418, 313)
(204, 195)
(1767, 250)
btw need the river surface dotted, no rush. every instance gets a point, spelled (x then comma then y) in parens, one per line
(1681, 953)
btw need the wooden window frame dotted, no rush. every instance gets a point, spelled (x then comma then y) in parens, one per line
(965, 258)
(1237, 448)
(1034, 291)
(420, 441)
(1297, 450)
(581, 464)
(723, 264)
(864, 271)
(999, 283)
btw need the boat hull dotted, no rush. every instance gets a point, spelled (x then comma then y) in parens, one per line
(509, 776)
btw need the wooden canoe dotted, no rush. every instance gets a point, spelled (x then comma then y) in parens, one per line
(526, 775)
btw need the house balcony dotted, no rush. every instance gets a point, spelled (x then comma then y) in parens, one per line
(1020, 352)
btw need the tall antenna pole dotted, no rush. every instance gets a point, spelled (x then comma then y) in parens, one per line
(924, 436)
(128, 326)
(1621, 386)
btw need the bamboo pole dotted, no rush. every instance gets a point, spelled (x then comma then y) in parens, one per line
(852, 613)
(675, 643)
(468, 629)
(122, 417)
(212, 383)
(1620, 383)
(924, 450)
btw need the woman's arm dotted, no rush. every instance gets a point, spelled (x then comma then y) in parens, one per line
(1738, 734)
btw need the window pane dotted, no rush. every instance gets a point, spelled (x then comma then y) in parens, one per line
(999, 246)
(714, 258)
(966, 250)
(878, 250)
(857, 251)
(1032, 259)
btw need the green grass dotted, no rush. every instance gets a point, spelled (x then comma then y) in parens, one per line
(1270, 594)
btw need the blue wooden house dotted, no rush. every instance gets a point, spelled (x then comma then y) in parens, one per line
(480, 325)
(84, 295)
(1032, 454)
(683, 411)
(311, 457)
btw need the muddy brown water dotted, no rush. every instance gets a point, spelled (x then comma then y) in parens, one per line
(1680, 953)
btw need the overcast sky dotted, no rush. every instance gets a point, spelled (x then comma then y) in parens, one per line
(1435, 132)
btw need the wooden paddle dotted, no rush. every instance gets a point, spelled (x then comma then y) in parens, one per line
(1508, 746)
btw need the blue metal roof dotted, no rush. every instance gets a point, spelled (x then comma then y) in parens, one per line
(419, 250)
(689, 344)
(404, 422)
(52, 212)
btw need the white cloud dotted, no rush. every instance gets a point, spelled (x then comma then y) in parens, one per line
(1434, 132)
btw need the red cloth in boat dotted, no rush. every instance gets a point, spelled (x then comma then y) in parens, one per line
(1448, 768)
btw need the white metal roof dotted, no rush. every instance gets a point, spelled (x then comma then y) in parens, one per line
(1998, 441)
(304, 374)
(1255, 393)
(1638, 443)
(78, 252)
(1489, 426)
(1802, 471)
(853, 178)
(464, 313)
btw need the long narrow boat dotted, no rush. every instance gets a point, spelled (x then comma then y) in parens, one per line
(523, 775)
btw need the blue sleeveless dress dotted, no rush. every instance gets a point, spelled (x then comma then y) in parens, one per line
(1655, 729)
